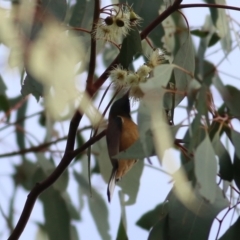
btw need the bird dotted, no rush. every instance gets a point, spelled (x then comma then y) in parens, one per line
(121, 133)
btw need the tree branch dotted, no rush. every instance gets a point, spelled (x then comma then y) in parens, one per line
(199, 5)
(40, 147)
(92, 63)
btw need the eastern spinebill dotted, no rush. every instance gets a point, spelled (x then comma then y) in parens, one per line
(121, 133)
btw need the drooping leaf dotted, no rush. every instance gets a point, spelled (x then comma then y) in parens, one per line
(203, 45)
(236, 167)
(159, 230)
(149, 219)
(3, 86)
(130, 183)
(220, 20)
(97, 206)
(73, 212)
(185, 58)
(20, 127)
(74, 233)
(230, 95)
(206, 169)
(195, 223)
(48, 166)
(232, 232)
(57, 8)
(4, 103)
(161, 77)
(213, 40)
(57, 217)
(31, 86)
(122, 232)
(226, 167)
(24, 173)
(206, 71)
(199, 33)
(82, 13)
(130, 47)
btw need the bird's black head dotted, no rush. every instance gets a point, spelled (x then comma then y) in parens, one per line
(121, 107)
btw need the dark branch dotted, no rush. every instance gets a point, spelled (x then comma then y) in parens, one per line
(92, 63)
(40, 148)
(199, 5)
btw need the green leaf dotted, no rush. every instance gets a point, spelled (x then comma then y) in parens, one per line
(202, 102)
(48, 166)
(24, 174)
(130, 183)
(82, 14)
(130, 47)
(206, 169)
(207, 71)
(80, 142)
(213, 40)
(195, 223)
(199, 33)
(4, 103)
(221, 21)
(230, 96)
(236, 141)
(57, 7)
(102, 157)
(236, 167)
(226, 167)
(3, 86)
(31, 86)
(160, 80)
(73, 212)
(233, 232)
(149, 219)
(20, 133)
(97, 206)
(122, 233)
(57, 217)
(185, 58)
(74, 233)
(159, 230)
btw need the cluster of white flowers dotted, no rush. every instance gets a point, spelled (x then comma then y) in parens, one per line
(128, 79)
(117, 24)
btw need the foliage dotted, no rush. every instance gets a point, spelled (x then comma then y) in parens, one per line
(183, 103)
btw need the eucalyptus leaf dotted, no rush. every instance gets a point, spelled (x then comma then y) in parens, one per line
(229, 94)
(57, 217)
(97, 206)
(206, 169)
(150, 218)
(130, 47)
(185, 58)
(32, 86)
(226, 167)
(236, 167)
(185, 224)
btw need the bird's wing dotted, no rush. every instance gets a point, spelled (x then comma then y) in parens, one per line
(113, 136)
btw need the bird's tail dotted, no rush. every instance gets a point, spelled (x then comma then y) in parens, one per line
(111, 184)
